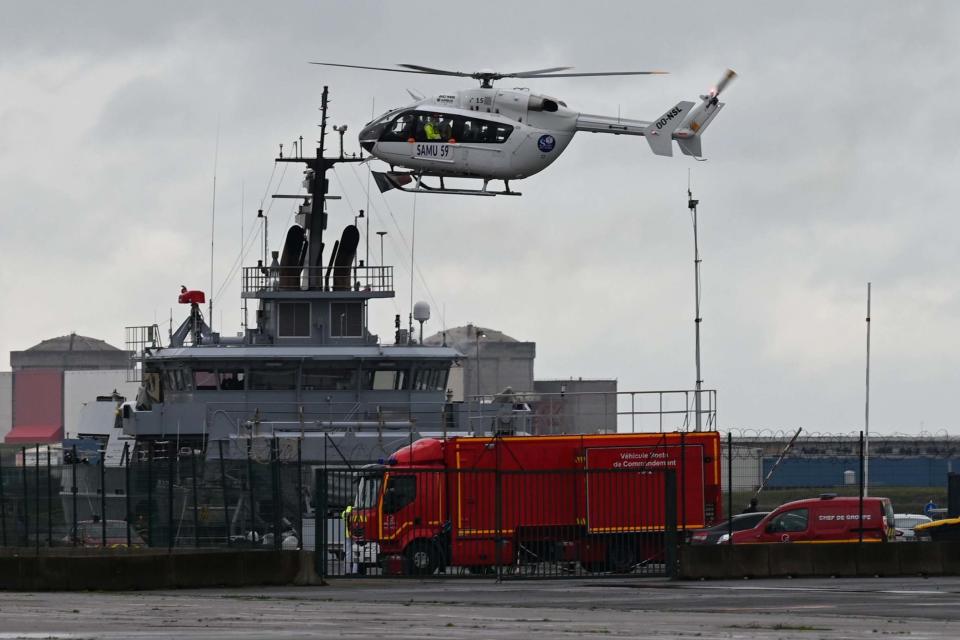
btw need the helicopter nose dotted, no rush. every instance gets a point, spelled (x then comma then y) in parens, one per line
(369, 136)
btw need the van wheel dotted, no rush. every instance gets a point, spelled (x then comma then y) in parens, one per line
(422, 558)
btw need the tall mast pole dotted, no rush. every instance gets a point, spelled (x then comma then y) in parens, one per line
(866, 412)
(692, 205)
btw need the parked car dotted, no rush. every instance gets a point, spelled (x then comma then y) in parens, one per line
(721, 532)
(89, 533)
(905, 522)
(824, 519)
(939, 530)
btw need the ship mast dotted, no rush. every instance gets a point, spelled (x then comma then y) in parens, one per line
(318, 188)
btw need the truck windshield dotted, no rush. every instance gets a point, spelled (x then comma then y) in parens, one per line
(368, 492)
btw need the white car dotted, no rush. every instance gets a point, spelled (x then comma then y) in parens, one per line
(905, 522)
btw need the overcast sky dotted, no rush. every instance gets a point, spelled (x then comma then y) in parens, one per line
(834, 163)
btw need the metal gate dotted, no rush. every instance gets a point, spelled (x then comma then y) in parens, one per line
(399, 521)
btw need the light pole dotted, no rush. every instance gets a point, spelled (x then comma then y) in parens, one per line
(692, 205)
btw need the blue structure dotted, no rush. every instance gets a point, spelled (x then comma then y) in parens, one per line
(826, 472)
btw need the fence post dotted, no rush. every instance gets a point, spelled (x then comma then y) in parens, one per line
(125, 459)
(3, 506)
(150, 445)
(223, 487)
(26, 496)
(36, 486)
(49, 502)
(73, 492)
(320, 525)
(300, 493)
(683, 484)
(252, 531)
(103, 498)
(670, 522)
(171, 451)
(275, 481)
(861, 487)
(196, 518)
(730, 487)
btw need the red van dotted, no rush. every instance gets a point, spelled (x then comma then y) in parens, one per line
(824, 519)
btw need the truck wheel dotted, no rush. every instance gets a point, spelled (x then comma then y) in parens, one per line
(421, 558)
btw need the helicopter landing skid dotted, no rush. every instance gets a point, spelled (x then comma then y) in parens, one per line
(413, 183)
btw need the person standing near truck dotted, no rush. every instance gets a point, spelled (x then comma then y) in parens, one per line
(347, 541)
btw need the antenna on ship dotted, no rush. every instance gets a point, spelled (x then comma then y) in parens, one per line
(317, 186)
(213, 217)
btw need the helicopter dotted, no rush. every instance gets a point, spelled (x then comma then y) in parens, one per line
(487, 133)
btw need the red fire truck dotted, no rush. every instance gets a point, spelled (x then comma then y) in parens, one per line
(479, 502)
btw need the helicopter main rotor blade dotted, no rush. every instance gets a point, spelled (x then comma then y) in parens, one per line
(599, 73)
(535, 72)
(357, 66)
(437, 72)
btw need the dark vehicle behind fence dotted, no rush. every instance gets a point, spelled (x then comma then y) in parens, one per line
(721, 532)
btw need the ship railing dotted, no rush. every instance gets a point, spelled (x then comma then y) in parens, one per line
(353, 278)
(597, 411)
(531, 413)
(140, 341)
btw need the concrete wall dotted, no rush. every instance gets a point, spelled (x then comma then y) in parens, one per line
(81, 387)
(150, 569)
(724, 561)
(6, 403)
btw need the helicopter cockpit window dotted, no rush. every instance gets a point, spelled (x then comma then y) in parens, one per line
(401, 129)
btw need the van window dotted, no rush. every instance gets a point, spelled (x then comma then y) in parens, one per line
(789, 521)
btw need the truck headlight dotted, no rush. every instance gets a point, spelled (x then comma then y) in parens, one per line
(724, 538)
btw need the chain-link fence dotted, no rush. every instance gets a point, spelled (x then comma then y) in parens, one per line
(765, 469)
(249, 493)
(404, 521)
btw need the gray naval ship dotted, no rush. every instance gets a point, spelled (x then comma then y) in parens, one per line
(307, 383)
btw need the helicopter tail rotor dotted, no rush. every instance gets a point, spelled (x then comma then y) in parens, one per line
(688, 133)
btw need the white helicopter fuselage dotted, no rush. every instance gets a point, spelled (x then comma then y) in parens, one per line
(486, 133)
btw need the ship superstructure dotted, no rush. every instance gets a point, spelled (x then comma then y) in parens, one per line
(309, 367)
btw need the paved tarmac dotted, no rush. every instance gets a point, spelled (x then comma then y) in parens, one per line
(914, 608)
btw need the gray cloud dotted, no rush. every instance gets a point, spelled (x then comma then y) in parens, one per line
(834, 164)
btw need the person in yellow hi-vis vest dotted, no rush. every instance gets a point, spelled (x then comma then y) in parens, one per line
(348, 565)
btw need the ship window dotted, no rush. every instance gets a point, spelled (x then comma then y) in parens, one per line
(293, 319)
(346, 319)
(430, 380)
(204, 380)
(273, 379)
(388, 380)
(231, 380)
(315, 379)
(180, 380)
